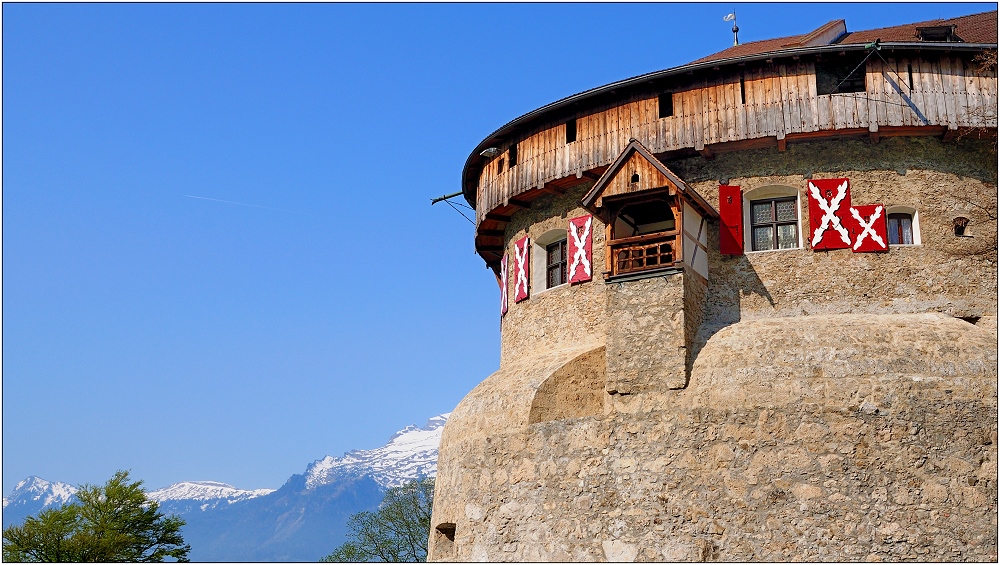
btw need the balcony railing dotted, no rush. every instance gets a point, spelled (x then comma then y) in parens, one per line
(643, 253)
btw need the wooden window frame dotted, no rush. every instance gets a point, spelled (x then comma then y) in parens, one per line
(560, 265)
(774, 223)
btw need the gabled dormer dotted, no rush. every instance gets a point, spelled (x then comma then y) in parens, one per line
(648, 212)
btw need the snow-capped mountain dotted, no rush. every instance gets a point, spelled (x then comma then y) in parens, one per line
(205, 490)
(303, 520)
(31, 496)
(410, 454)
(36, 489)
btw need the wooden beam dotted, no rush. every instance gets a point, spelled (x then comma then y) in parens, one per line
(518, 203)
(781, 144)
(590, 175)
(949, 134)
(873, 135)
(497, 217)
(489, 248)
(706, 153)
(492, 233)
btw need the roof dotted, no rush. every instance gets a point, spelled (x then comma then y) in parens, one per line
(974, 28)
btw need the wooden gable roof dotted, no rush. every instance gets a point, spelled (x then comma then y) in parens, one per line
(637, 170)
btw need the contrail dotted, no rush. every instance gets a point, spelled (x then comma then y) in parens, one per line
(231, 202)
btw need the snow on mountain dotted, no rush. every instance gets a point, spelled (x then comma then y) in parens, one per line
(40, 492)
(410, 454)
(205, 490)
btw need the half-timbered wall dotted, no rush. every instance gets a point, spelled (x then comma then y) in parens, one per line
(780, 99)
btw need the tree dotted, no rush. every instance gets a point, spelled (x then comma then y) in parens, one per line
(110, 523)
(396, 532)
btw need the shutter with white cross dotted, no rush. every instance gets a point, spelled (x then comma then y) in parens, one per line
(829, 201)
(868, 227)
(578, 237)
(504, 279)
(522, 268)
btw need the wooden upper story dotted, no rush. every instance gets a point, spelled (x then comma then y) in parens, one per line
(742, 98)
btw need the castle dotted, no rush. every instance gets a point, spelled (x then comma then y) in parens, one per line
(748, 311)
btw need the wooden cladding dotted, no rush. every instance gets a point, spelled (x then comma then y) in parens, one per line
(768, 101)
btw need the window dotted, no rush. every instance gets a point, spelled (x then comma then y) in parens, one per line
(666, 105)
(512, 154)
(549, 267)
(499, 165)
(774, 224)
(847, 74)
(571, 131)
(903, 225)
(900, 229)
(555, 264)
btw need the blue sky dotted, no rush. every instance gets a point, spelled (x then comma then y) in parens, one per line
(326, 304)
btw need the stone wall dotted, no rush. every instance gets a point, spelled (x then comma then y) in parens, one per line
(838, 405)
(877, 446)
(562, 316)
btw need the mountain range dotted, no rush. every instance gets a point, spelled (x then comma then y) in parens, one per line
(303, 520)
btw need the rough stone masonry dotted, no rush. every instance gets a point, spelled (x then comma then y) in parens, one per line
(799, 406)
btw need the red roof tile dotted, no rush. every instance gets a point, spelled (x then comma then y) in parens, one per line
(974, 28)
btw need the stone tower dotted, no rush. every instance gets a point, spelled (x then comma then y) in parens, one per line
(748, 312)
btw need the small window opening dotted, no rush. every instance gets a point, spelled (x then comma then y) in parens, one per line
(499, 165)
(513, 155)
(842, 76)
(971, 319)
(938, 33)
(666, 105)
(774, 224)
(634, 179)
(447, 529)
(960, 225)
(743, 92)
(571, 131)
(909, 74)
(900, 229)
(555, 264)
(645, 218)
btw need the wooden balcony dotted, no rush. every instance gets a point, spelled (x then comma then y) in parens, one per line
(631, 255)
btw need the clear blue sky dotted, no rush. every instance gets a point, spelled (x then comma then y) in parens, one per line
(191, 339)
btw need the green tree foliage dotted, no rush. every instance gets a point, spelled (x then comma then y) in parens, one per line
(110, 523)
(396, 532)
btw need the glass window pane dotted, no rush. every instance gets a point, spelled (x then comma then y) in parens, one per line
(763, 238)
(785, 212)
(761, 213)
(894, 231)
(907, 231)
(787, 238)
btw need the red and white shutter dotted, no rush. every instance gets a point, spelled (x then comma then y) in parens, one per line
(522, 268)
(730, 220)
(504, 279)
(580, 254)
(868, 228)
(829, 201)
